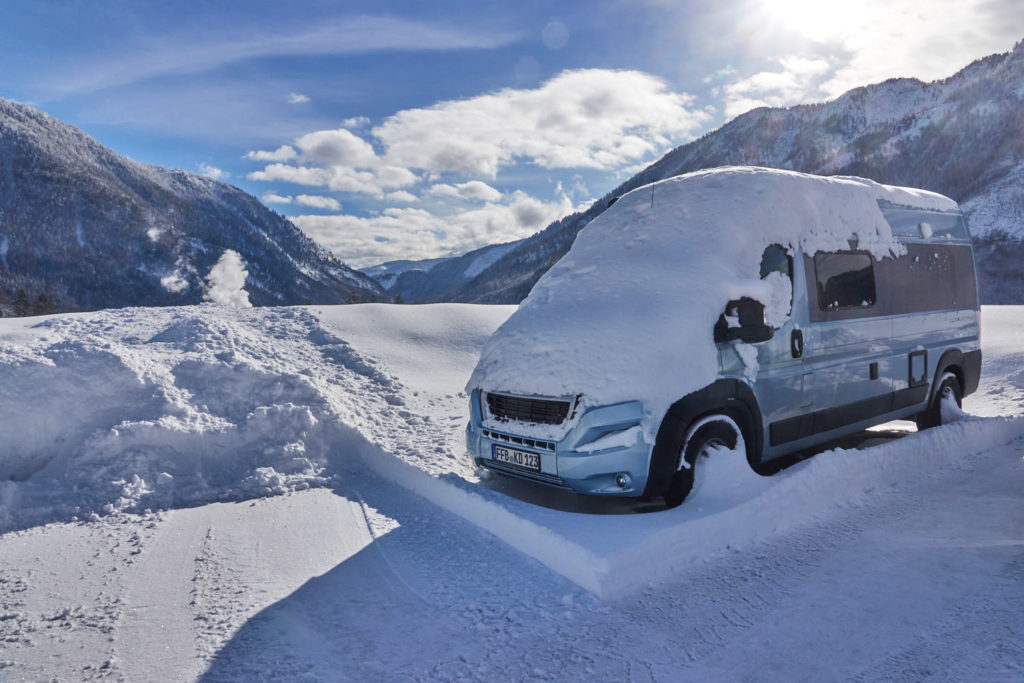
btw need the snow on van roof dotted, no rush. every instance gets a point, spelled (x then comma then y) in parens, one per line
(628, 312)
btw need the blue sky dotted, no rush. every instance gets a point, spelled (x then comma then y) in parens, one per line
(420, 129)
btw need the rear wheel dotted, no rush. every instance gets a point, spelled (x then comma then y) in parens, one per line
(700, 440)
(949, 386)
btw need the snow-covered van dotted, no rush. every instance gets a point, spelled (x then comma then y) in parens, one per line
(746, 308)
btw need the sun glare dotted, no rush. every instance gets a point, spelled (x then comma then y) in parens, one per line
(815, 19)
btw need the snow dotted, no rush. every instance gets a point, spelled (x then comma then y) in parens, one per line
(747, 354)
(237, 494)
(226, 281)
(671, 255)
(487, 259)
(619, 439)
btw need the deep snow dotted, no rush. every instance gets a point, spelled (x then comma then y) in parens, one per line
(903, 561)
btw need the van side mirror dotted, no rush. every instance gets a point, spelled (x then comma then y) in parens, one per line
(743, 319)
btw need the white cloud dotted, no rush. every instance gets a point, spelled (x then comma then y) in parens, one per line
(297, 98)
(417, 233)
(355, 122)
(797, 81)
(473, 189)
(318, 202)
(300, 175)
(271, 197)
(444, 190)
(336, 147)
(282, 153)
(726, 71)
(339, 178)
(597, 119)
(591, 118)
(213, 172)
(401, 197)
(162, 54)
(477, 189)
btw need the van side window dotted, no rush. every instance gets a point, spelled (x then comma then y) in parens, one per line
(845, 280)
(777, 270)
(776, 260)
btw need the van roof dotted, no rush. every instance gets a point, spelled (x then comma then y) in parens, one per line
(628, 312)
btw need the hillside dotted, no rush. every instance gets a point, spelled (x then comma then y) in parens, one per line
(87, 228)
(430, 279)
(960, 136)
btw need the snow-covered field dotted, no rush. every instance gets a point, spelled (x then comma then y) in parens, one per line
(230, 494)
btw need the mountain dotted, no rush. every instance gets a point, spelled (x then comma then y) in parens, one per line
(962, 136)
(83, 227)
(430, 279)
(387, 274)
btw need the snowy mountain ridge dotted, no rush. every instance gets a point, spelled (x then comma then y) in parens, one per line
(417, 281)
(87, 228)
(959, 136)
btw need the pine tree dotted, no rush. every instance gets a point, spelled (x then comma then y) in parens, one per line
(44, 305)
(21, 305)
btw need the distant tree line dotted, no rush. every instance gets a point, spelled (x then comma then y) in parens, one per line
(22, 295)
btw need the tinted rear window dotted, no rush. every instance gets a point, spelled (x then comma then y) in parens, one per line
(932, 277)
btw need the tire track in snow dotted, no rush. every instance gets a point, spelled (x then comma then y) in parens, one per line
(157, 633)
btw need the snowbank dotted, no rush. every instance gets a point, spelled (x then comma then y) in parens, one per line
(156, 408)
(150, 408)
(614, 319)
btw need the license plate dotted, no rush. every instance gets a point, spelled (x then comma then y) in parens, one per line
(515, 457)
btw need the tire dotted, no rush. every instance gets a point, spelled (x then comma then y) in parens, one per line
(713, 431)
(932, 416)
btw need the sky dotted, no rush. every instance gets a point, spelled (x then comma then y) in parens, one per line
(410, 130)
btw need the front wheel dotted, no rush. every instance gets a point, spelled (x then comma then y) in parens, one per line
(701, 439)
(949, 387)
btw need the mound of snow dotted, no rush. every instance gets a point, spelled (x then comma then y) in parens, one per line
(151, 408)
(615, 319)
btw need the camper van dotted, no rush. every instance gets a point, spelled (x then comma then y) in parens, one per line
(734, 309)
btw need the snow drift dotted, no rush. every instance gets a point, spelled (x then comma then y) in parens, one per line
(148, 408)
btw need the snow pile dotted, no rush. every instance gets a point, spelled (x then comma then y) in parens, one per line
(226, 281)
(151, 408)
(628, 312)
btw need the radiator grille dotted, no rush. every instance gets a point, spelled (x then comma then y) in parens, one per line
(536, 410)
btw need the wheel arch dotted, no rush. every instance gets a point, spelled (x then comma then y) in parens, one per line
(729, 396)
(951, 360)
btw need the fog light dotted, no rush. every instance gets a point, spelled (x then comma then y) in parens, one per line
(622, 480)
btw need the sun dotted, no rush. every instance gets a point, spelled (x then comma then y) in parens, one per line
(821, 20)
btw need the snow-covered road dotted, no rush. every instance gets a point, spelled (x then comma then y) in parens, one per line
(144, 541)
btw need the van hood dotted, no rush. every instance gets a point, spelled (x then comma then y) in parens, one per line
(628, 313)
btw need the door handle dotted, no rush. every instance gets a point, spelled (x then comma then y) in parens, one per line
(796, 343)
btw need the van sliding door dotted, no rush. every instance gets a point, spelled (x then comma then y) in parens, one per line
(848, 354)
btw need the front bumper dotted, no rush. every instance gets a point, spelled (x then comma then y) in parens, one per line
(578, 461)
